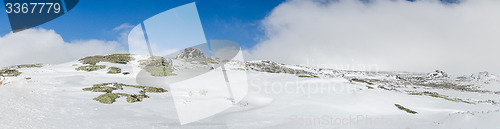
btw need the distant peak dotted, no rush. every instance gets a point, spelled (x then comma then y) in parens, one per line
(437, 74)
(190, 53)
(483, 75)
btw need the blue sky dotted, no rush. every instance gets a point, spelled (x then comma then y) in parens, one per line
(236, 20)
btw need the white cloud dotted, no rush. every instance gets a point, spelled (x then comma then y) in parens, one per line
(124, 26)
(123, 29)
(46, 46)
(392, 34)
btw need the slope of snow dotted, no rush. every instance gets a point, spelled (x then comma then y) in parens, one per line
(53, 98)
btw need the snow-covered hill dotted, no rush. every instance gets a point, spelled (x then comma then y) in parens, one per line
(123, 91)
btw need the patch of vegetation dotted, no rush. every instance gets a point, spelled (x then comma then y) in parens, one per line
(418, 80)
(436, 95)
(159, 71)
(361, 81)
(442, 84)
(10, 72)
(156, 61)
(114, 86)
(28, 78)
(381, 87)
(308, 76)
(157, 66)
(134, 86)
(114, 70)
(267, 66)
(92, 60)
(154, 90)
(107, 98)
(90, 68)
(126, 73)
(445, 85)
(146, 88)
(113, 58)
(99, 88)
(241, 69)
(369, 87)
(102, 84)
(405, 109)
(134, 98)
(26, 66)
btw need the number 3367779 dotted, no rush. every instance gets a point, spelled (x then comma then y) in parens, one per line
(32, 7)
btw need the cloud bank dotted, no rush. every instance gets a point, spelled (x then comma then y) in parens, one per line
(46, 46)
(393, 35)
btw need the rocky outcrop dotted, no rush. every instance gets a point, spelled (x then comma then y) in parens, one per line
(157, 66)
(190, 53)
(437, 74)
(156, 61)
(271, 67)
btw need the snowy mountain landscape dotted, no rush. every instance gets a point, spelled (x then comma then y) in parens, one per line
(129, 91)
